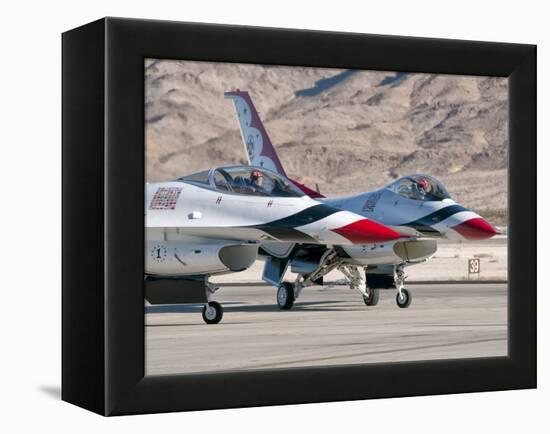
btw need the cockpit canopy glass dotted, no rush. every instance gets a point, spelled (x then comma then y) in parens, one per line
(247, 180)
(200, 177)
(420, 187)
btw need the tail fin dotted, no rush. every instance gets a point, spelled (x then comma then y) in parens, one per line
(258, 146)
(256, 142)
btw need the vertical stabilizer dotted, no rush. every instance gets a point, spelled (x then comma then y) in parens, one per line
(257, 144)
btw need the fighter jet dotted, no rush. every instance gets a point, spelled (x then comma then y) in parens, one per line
(417, 205)
(212, 222)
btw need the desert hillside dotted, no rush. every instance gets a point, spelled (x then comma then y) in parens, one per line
(346, 131)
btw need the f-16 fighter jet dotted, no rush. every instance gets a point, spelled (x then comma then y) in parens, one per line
(213, 222)
(416, 205)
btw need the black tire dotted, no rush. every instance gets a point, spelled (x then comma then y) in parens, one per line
(372, 297)
(405, 300)
(285, 296)
(212, 313)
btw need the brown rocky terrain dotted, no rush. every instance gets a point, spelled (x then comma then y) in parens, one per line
(346, 131)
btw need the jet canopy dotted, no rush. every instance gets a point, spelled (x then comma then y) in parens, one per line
(248, 180)
(420, 187)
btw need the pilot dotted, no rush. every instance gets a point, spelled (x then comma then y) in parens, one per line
(257, 181)
(423, 187)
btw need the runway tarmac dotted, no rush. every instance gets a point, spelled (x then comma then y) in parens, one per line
(327, 327)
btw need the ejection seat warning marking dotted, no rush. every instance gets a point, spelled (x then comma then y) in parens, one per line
(165, 198)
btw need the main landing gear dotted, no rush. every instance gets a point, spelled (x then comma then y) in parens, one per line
(371, 297)
(368, 285)
(288, 292)
(212, 312)
(285, 295)
(372, 284)
(357, 282)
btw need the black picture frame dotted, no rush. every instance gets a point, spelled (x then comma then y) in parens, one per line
(103, 202)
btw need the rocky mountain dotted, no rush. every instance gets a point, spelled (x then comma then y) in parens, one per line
(346, 131)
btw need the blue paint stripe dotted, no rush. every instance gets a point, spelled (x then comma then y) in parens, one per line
(424, 224)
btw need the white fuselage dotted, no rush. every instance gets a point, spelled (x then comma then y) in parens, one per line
(192, 229)
(428, 218)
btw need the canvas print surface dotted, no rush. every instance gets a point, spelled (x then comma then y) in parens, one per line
(299, 216)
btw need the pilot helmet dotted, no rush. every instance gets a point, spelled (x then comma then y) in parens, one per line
(256, 174)
(422, 182)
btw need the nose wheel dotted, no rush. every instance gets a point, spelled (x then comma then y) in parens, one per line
(212, 312)
(403, 298)
(285, 296)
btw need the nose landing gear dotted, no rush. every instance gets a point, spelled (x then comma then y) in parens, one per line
(403, 297)
(212, 312)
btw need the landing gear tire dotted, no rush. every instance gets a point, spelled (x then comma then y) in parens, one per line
(403, 298)
(372, 297)
(212, 312)
(285, 296)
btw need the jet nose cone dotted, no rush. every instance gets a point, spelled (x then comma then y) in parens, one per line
(475, 229)
(367, 231)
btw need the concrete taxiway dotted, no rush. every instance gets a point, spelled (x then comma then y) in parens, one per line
(327, 327)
